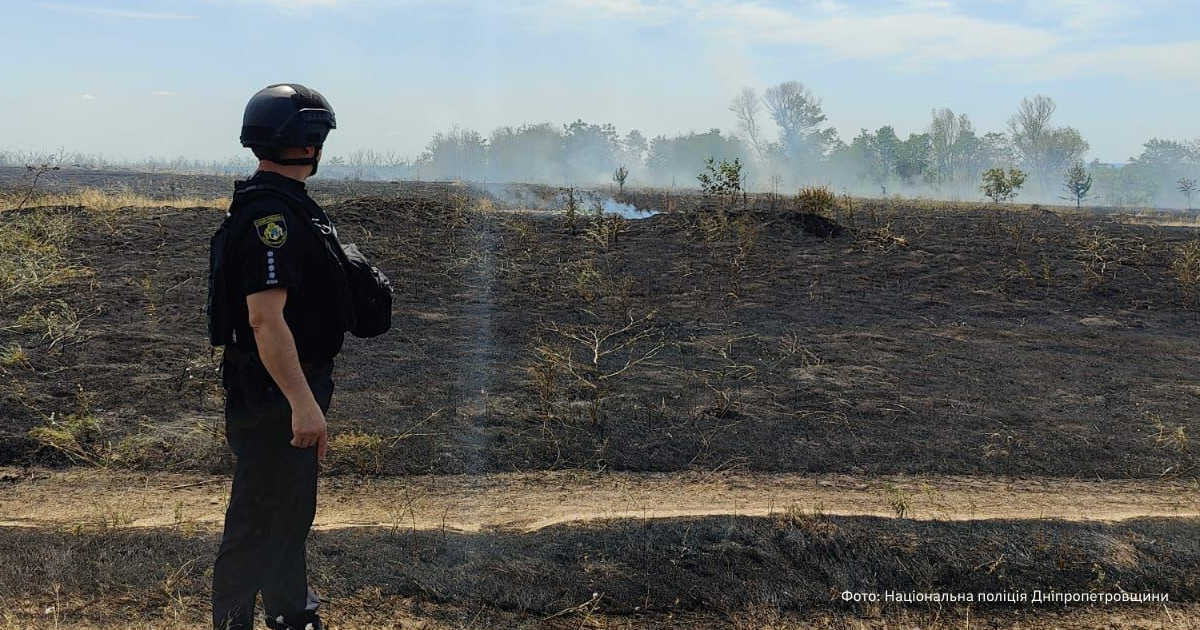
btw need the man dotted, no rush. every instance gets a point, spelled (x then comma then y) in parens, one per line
(274, 305)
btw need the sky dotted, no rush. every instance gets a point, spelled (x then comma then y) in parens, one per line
(137, 78)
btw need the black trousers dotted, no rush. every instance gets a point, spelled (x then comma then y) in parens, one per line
(271, 505)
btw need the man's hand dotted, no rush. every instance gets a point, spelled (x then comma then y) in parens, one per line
(309, 428)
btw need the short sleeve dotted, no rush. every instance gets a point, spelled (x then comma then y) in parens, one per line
(270, 255)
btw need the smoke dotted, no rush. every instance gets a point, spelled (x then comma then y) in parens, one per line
(531, 198)
(782, 143)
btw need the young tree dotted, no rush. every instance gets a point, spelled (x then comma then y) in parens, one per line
(1078, 183)
(722, 181)
(1188, 188)
(1002, 187)
(619, 176)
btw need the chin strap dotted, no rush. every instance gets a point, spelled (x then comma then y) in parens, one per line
(299, 161)
(311, 161)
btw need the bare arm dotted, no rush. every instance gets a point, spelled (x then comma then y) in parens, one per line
(278, 351)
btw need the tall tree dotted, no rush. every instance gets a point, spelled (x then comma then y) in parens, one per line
(457, 154)
(746, 106)
(798, 114)
(1042, 148)
(952, 142)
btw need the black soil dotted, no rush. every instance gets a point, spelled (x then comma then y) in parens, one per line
(893, 339)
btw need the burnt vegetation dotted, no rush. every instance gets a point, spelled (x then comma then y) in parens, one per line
(803, 332)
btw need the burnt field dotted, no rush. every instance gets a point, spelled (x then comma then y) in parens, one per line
(717, 572)
(883, 337)
(724, 414)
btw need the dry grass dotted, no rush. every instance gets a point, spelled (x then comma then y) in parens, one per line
(1186, 267)
(33, 252)
(104, 201)
(356, 451)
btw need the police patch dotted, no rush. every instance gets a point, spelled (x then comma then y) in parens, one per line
(272, 230)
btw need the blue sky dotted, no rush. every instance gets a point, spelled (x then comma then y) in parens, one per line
(135, 78)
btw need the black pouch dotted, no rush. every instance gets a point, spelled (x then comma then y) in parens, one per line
(371, 292)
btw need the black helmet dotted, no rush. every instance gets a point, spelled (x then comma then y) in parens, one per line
(286, 115)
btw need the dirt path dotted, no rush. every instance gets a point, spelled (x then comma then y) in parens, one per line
(535, 500)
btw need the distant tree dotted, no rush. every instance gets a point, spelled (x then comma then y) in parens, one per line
(393, 159)
(527, 153)
(458, 154)
(1078, 183)
(1002, 187)
(914, 159)
(634, 147)
(1122, 186)
(681, 156)
(746, 106)
(360, 159)
(798, 114)
(951, 142)
(1162, 164)
(996, 149)
(619, 176)
(1188, 188)
(1044, 149)
(589, 150)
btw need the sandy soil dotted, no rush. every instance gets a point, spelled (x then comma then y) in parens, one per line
(532, 501)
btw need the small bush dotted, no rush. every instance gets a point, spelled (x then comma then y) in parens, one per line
(818, 200)
(1000, 186)
(721, 182)
(14, 355)
(79, 436)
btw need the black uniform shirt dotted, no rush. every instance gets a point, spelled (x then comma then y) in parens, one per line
(273, 246)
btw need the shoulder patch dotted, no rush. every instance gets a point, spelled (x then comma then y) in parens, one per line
(272, 230)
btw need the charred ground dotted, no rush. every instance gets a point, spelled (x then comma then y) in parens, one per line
(880, 337)
(888, 337)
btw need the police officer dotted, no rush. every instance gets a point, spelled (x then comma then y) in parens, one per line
(272, 275)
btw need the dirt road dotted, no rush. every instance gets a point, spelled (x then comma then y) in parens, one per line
(536, 500)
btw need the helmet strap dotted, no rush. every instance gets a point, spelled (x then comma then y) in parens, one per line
(298, 161)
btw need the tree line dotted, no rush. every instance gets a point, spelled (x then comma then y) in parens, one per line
(782, 137)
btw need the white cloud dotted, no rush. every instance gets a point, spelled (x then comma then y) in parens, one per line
(1168, 61)
(912, 38)
(116, 13)
(1047, 38)
(1070, 36)
(928, 5)
(87, 97)
(1086, 15)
